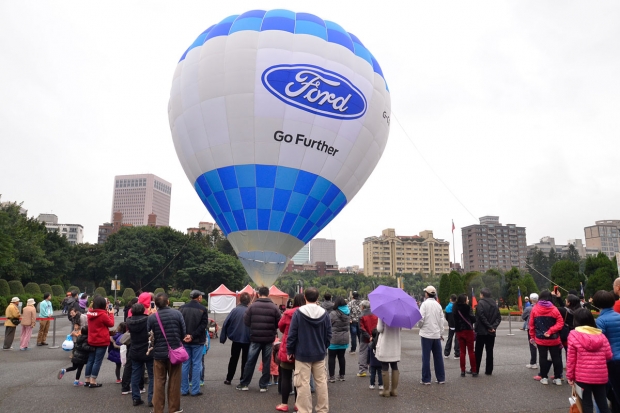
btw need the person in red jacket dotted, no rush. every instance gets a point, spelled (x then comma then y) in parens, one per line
(287, 365)
(100, 320)
(544, 329)
(617, 293)
(586, 363)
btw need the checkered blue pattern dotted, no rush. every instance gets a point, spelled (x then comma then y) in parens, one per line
(287, 21)
(270, 198)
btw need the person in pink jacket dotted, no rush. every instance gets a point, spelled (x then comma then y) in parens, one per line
(544, 329)
(586, 363)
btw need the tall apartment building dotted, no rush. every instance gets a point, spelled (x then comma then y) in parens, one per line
(546, 243)
(493, 245)
(303, 256)
(73, 232)
(323, 250)
(391, 254)
(137, 196)
(603, 236)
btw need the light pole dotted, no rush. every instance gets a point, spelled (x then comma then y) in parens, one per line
(115, 287)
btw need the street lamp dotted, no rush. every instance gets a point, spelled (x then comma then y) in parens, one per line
(115, 287)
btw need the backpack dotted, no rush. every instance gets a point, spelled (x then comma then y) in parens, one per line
(567, 327)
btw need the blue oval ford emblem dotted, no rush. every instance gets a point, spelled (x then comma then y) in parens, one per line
(315, 90)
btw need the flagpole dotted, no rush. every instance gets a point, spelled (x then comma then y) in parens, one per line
(453, 245)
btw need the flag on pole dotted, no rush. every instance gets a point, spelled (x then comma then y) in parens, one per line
(519, 300)
(474, 302)
(453, 227)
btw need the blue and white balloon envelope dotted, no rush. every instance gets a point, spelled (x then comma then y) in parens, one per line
(278, 118)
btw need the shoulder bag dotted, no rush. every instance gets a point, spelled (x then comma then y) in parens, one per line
(470, 325)
(176, 355)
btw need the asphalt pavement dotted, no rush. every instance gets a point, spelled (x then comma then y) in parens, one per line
(29, 383)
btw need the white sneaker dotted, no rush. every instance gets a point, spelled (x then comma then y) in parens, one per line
(557, 382)
(456, 357)
(544, 381)
(531, 366)
(380, 387)
(446, 357)
(371, 387)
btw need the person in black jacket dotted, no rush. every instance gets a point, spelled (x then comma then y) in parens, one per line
(196, 320)
(174, 327)
(80, 356)
(262, 317)
(487, 321)
(137, 326)
(235, 330)
(464, 320)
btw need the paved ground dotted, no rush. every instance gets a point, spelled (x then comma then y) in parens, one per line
(29, 383)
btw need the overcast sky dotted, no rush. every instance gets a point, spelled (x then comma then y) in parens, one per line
(515, 106)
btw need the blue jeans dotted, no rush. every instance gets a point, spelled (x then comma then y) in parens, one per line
(255, 348)
(94, 362)
(377, 371)
(355, 334)
(432, 345)
(137, 367)
(194, 351)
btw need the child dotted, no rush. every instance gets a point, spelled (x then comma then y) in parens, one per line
(114, 352)
(586, 364)
(273, 367)
(80, 356)
(375, 365)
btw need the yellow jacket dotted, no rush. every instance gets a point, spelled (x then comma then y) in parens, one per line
(11, 312)
(29, 316)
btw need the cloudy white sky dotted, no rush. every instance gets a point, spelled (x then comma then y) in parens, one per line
(513, 104)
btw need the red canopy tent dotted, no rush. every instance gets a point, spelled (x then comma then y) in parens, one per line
(277, 296)
(247, 289)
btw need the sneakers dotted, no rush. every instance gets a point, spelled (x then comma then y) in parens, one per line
(440, 382)
(225, 382)
(462, 374)
(544, 381)
(138, 402)
(371, 387)
(78, 383)
(241, 387)
(381, 387)
(537, 378)
(340, 378)
(361, 374)
(142, 391)
(282, 408)
(331, 379)
(557, 382)
(446, 356)
(532, 366)
(202, 383)
(119, 381)
(61, 373)
(126, 392)
(425, 383)
(456, 357)
(352, 352)
(263, 389)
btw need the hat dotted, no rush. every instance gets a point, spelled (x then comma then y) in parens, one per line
(15, 300)
(196, 294)
(431, 290)
(30, 301)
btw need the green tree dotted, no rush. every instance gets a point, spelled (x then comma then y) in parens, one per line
(16, 287)
(492, 280)
(88, 268)
(566, 274)
(601, 273)
(58, 263)
(553, 258)
(58, 291)
(572, 254)
(128, 294)
(100, 291)
(444, 290)
(468, 278)
(529, 284)
(456, 283)
(186, 293)
(46, 288)
(32, 289)
(513, 282)
(539, 263)
(158, 291)
(598, 281)
(5, 290)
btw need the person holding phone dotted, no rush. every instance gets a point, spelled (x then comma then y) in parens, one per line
(99, 323)
(146, 299)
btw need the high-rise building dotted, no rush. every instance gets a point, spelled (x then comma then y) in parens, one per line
(73, 232)
(303, 256)
(323, 250)
(603, 236)
(391, 254)
(546, 243)
(137, 196)
(493, 245)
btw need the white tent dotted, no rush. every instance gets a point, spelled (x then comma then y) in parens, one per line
(222, 300)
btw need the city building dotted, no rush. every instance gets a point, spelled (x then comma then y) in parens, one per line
(493, 245)
(603, 236)
(303, 256)
(137, 196)
(108, 228)
(9, 203)
(323, 250)
(352, 269)
(320, 267)
(391, 254)
(204, 227)
(73, 232)
(547, 243)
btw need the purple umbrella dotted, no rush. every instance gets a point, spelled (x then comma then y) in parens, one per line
(394, 306)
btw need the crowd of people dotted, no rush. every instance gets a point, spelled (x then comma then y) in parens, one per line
(301, 346)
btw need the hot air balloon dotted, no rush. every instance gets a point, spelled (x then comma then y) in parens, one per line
(278, 118)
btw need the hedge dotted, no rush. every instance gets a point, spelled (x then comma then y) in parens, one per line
(186, 293)
(46, 288)
(58, 291)
(101, 291)
(158, 290)
(33, 289)
(128, 294)
(5, 290)
(16, 287)
(75, 288)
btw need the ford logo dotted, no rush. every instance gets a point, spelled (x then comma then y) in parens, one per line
(315, 90)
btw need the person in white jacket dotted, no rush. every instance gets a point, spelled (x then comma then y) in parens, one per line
(388, 353)
(431, 333)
